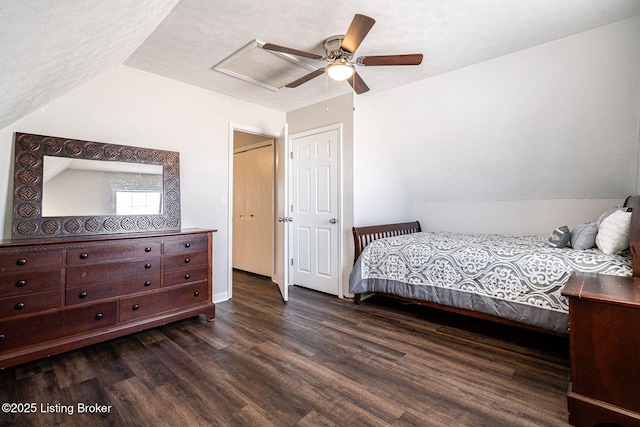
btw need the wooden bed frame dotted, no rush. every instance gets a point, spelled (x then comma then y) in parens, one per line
(364, 235)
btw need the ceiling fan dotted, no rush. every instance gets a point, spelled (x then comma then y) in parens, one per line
(339, 52)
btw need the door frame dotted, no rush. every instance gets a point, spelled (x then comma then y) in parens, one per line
(246, 129)
(340, 246)
(233, 126)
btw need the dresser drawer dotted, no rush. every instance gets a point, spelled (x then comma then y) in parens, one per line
(186, 260)
(18, 283)
(136, 307)
(111, 272)
(30, 260)
(41, 328)
(29, 303)
(84, 294)
(193, 274)
(189, 243)
(94, 254)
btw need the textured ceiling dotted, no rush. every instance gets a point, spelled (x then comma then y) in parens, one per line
(50, 47)
(451, 34)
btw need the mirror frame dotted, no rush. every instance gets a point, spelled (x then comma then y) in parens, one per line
(28, 222)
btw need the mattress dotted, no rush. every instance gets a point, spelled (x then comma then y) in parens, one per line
(517, 278)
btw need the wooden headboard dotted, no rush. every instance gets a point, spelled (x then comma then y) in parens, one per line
(362, 236)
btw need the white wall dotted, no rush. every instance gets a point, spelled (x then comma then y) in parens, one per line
(131, 107)
(380, 191)
(515, 217)
(333, 111)
(504, 145)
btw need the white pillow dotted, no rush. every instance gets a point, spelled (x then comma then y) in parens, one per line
(613, 233)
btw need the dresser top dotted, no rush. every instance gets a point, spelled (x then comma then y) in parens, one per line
(98, 238)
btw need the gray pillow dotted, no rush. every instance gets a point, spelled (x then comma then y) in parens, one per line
(560, 237)
(584, 236)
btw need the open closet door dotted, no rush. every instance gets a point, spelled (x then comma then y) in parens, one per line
(282, 213)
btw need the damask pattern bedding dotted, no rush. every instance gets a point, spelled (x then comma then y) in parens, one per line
(517, 278)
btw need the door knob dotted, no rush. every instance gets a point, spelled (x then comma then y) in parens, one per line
(333, 220)
(281, 219)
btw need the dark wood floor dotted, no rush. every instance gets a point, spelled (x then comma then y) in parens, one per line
(314, 361)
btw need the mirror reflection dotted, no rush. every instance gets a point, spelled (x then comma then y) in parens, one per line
(79, 187)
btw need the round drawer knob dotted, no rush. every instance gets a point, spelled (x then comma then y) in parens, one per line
(135, 307)
(21, 283)
(82, 295)
(21, 261)
(84, 256)
(99, 316)
(187, 276)
(196, 293)
(19, 306)
(187, 245)
(147, 266)
(147, 283)
(2, 337)
(187, 260)
(147, 249)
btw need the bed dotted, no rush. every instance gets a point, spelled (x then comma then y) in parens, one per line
(508, 279)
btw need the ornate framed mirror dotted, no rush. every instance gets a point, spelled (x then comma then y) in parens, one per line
(68, 187)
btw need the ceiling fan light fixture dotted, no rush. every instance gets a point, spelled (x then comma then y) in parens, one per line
(340, 50)
(340, 71)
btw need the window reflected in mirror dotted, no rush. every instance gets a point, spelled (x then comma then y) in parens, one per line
(138, 202)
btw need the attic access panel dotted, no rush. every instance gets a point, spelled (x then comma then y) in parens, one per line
(265, 68)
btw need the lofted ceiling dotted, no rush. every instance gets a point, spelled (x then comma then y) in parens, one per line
(50, 47)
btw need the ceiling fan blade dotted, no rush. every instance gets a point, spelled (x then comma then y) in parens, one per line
(283, 49)
(357, 31)
(358, 85)
(304, 79)
(412, 59)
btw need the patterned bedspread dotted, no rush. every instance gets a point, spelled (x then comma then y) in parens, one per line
(507, 276)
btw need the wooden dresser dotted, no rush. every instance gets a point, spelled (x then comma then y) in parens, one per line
(604, 320)
(64, 293)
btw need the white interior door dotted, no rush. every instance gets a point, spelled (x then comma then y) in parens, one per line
(282, 213)
(315, 211)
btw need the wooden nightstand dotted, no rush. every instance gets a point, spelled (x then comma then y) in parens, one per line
(604, 322)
